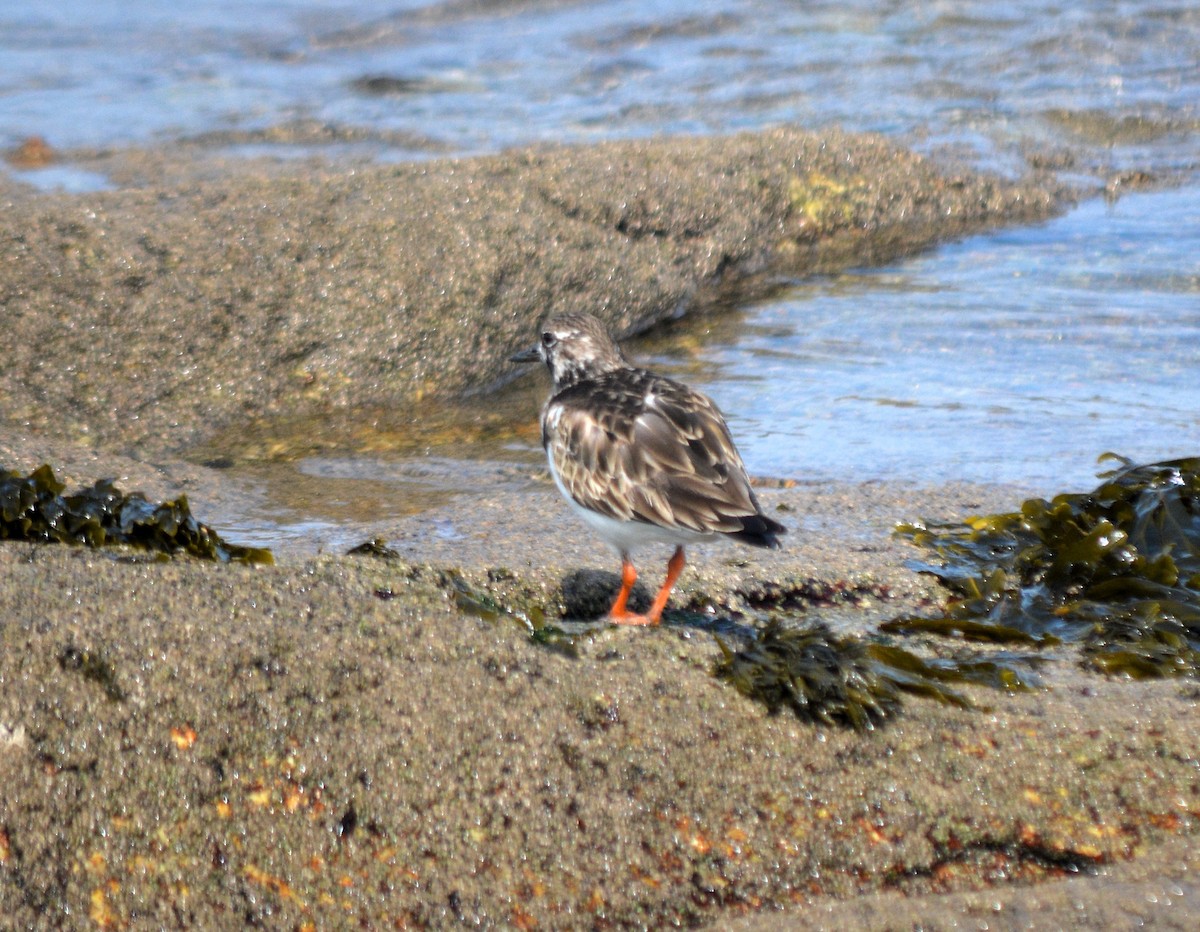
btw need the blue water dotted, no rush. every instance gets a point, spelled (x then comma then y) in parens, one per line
(984, 77)
(1019, 356)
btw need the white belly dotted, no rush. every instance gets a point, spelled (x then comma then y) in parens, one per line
(626, 536)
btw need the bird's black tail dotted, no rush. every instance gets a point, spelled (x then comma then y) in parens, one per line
(759, 531)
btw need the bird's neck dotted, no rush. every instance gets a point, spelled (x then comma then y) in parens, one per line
(572, 372)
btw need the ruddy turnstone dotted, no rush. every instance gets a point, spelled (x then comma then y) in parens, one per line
(640, 457)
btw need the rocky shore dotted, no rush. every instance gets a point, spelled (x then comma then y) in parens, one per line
(341, 741)
(144, 319)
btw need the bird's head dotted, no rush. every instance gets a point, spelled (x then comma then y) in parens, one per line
(573, 347)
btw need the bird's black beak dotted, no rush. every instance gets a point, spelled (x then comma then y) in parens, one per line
(526, 355)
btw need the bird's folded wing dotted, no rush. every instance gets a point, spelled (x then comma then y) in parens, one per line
(667, 461)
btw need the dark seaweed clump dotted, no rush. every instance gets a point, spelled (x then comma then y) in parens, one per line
(832, 680)
(34, 508)
(94, 666)
(1116, 570)
(375, 547)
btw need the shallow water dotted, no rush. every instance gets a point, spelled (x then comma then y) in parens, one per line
(334, 502)
(1018, 357)
(468, 75)
(1014, 357)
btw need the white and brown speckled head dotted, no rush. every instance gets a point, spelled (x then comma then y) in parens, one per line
(574, 347)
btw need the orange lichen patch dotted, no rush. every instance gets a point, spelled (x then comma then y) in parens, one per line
(648, 879)
(276, 884)
(224, 810)
(873, 832)
(735, 835)
(534, 885)
(5, 847)
(947, 873)
(735, 843)
(278, 784)
(1104, 831)
(522, 920)
(595, 902)
(99, 910)
(693, 835)
(1032, 796)
(293, 797)
(183, 737)
(979, 749)
(31, 152)
(1164, 820)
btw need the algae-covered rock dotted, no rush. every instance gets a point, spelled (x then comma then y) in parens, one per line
(34, 508)
(1116, 569)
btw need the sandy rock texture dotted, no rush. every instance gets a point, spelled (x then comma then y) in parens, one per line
(146, 318)
(341, 741)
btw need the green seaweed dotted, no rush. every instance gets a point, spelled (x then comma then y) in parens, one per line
(94, 666)
(831, 680)
(818, 676)
(997, 671)
(34, 508)
(1115, 570)
(376, 547)
(532, 617)
(475, 601)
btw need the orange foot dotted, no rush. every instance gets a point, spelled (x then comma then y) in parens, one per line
(631, 618)
(619, 615)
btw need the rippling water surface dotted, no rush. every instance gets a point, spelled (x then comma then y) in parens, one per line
(1018, 356)
(1015, 357)
(472, 75)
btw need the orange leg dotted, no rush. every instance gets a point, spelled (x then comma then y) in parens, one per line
(674, 568)
(619, 615)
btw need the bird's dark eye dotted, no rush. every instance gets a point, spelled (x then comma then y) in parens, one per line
(548, 339)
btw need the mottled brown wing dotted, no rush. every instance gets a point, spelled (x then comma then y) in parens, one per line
(647, 448)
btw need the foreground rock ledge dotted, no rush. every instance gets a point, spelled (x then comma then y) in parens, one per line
(334, 745)
(338, 742)
(146, 319)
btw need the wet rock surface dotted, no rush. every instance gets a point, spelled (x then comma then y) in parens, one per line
(145, 319)
(346, 739)
(341, 740)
